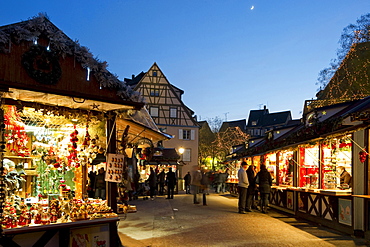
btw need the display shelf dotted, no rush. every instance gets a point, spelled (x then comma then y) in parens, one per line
(18, 157)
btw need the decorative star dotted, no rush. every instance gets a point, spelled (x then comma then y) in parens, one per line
(110, 115)
(95, 106)
(324, 113)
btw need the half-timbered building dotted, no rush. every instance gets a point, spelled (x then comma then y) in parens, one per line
(172, 116)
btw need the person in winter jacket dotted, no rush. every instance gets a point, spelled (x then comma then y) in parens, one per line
(242, 187)
(264, 181)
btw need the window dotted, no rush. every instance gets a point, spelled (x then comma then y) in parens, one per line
(173, 112)
(186, 156)
(186, 134)
(154, 92)
(154, 111)
(154, 73)
(254, 123)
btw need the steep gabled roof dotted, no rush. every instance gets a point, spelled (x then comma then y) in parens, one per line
(276, 118)
(232, 124)
(41, 28)
(262, 118)
(255, 116)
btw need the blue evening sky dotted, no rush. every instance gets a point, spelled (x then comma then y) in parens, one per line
(228, 56)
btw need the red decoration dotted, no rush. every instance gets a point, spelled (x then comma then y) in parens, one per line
(363, 156)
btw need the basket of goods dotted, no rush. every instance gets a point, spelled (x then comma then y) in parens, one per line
(78, 211)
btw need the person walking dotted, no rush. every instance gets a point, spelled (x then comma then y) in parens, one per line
(161, 181)
(242, 187)
(187, 180)
(171, 182)
(195, 183)
(251, 173)
(264, 181)
(152, 181)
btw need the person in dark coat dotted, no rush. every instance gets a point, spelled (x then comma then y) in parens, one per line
(251, 173)
(90, 190)
(161, 181)
(171, 182)
(100, 184)
(152, 181)
(187, 180)
(264, 181)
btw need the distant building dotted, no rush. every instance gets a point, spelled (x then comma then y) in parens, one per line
(261, 121)
(171, 115)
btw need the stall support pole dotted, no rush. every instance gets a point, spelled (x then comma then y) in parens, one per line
(111, 148)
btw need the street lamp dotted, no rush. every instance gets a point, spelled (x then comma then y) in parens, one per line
(180, 182)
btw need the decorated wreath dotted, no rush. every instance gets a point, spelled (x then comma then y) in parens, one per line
(42, 65)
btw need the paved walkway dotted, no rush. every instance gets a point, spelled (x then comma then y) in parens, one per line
(178, 222)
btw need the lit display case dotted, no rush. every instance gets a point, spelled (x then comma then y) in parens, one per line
(309, 167)
(286, 164)
(336, 154)
(271, 165)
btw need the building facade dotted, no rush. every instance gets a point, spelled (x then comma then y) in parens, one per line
(171, 115)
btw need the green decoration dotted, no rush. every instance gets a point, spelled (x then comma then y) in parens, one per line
(42, 65)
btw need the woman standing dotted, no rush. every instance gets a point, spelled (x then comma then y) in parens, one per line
(264, 181)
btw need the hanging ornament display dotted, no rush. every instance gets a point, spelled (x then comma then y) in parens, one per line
(16, 136)
(363, 156)
(73, 158)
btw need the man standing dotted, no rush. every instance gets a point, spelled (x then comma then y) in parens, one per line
(242, 187)
(251, 173)
(171, 181)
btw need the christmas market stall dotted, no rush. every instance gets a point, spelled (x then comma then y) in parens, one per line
(58, 116)
(319, 166)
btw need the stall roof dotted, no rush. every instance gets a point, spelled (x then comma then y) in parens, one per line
(64, 69)
(141, 124)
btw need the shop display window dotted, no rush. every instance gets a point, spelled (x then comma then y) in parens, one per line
(309, 167)
(286, 164)
(271, 165)
(48, 154)
(336, 156)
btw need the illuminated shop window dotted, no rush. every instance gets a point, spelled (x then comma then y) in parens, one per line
(336, 155)
(309, 167)
(271, 165)
(286, 164)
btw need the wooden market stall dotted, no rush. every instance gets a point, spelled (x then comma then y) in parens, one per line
(59, 110)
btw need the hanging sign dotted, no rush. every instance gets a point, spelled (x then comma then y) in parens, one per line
(114, 169)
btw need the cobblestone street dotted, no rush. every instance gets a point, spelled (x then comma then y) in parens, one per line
(179, 222)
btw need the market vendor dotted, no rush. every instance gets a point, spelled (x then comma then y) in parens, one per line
(345, 177)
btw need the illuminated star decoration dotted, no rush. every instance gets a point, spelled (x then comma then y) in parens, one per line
(324, 113)
(95, 106)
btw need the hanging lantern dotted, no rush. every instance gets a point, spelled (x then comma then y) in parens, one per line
(363, 156)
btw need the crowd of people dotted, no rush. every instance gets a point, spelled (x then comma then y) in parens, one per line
(252, 185)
